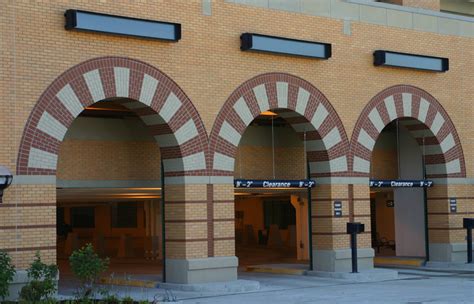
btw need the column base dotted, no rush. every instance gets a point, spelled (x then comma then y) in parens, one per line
(448, 252)
(196, 271)
(19, 281)
(340, 260)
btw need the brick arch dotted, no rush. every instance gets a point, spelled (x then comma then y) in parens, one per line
(307, 110)
(443, 150)
(166, 110)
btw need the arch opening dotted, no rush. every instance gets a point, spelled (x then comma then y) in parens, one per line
(398, 215)
(271, 224)
(304, 108)
(430, 135)
(109, 190)
(153, 104)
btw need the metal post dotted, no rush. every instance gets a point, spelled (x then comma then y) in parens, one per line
(163, 229)
(469, 245)
(310, 222)
(354, 252)
(427, 242)
(425, 204)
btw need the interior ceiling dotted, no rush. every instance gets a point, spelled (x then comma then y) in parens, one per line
(94, 195)
(109, 195)
(108, 109)
(392, 127)
(266, 120)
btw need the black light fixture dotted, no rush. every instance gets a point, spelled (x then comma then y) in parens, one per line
(6, 179)
(119, 25)
(285, 46)
(411, 61)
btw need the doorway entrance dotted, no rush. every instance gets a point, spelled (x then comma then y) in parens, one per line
(111, 199)
(398, 212)
(271, 223)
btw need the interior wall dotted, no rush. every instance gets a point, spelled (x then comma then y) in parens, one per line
(254, 155)
(252, 207)
(302, 239)
(103, 227)
(409, 206)
(462, 7)
(384, 157)
(385, 216)
(108, 149)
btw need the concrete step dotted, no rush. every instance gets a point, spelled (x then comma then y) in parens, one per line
(399, 261)
(291, 269)
(132, 282)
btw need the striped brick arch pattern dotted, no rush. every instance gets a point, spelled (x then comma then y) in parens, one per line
(304, 107)
(160, 103)
(423, 116)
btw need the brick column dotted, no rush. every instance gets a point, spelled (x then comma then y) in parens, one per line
(331, 244)
(446, 235)
(223, 220)
(199, 249)
(28, 221)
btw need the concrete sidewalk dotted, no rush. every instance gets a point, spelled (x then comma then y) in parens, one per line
(412, 286)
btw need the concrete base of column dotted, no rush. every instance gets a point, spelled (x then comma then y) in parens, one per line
(196, 271)
(19, 281)
(450, 252)
(340, 260)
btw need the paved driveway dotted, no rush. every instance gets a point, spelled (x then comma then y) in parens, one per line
(412, 287)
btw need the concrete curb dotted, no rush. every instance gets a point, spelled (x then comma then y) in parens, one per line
(233, 286)
(374, 275)
(449, 266)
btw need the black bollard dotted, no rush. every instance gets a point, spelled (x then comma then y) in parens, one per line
(353, 229)
(354, 252)
(468, 223)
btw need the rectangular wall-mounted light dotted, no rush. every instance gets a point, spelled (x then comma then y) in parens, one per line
(124, 26)
(286, 46)
(411, 61)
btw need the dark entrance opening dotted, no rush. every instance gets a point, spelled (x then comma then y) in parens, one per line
(109, 192)
(398, 213)
(271, 223)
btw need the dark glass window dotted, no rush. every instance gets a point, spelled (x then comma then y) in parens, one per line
(83, 217)
(119, 25)
(60, 215)
(282, 45)
(278, 212)
(124, 215)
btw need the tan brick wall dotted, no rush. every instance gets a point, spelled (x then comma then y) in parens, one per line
(351, 55)
(384, 164)
(208, 65)
(108, 160)
(329, 232)
(256, 162)
(186, 221)
(224, 227)
(28, 223)
(427, 4)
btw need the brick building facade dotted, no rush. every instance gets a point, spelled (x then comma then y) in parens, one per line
(197, 97)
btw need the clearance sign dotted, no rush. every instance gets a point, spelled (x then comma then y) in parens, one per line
(398, 183)
(271, 183)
